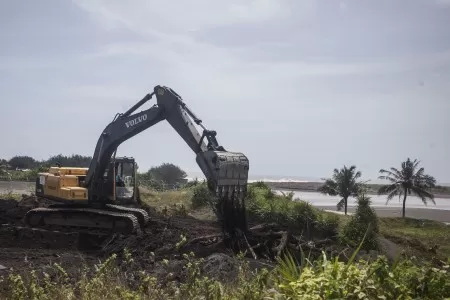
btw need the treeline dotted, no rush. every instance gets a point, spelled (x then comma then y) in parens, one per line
(23, 162)
(25, 168)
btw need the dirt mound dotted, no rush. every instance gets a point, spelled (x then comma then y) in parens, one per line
(10, 212)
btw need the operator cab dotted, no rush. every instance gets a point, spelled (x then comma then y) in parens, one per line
(121, 178)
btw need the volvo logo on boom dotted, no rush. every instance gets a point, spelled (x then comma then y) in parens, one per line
(135, 121)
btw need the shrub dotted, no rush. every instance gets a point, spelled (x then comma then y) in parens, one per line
(324, 278)
(328, 224)
(266, 206)
(365, 217)
(201, 196)
(332, 279)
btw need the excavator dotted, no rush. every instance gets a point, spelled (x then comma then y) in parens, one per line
(93, 199)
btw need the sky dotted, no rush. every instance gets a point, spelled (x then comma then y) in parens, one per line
(300, 87)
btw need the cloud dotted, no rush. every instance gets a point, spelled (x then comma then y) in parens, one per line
(169, 30)
(443, 2)
(182, 16)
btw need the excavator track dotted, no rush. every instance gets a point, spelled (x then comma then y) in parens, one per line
(140, 214)
(83, 220)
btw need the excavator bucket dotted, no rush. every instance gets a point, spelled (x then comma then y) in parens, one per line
(228, 179)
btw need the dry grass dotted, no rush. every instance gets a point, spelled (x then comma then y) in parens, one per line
(176, 202)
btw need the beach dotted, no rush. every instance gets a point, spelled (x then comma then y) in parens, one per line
(415, 213)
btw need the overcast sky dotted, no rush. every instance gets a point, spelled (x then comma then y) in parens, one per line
(300, 87)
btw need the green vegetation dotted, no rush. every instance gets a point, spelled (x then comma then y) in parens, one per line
(424, 239)
(265, 206)
(325, 278)
(345, 184)
(421, 272)
(163, 176)
(363, 222)
(26, 168)
(409, 180)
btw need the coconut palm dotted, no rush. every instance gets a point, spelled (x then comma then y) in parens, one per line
(410, 179)
(344, 183)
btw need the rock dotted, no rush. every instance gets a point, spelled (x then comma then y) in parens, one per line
(221, 267)
(2, 267)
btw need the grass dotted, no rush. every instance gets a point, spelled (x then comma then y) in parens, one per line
(422, 238)
(425, 239)
(168, 198)
(176, 202)
(10, 195)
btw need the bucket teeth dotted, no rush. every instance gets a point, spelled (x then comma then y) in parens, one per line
(228, 177)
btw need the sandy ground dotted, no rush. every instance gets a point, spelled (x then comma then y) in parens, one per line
(417, 213)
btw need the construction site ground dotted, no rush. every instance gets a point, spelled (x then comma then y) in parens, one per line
(23, 249)
(166, 238)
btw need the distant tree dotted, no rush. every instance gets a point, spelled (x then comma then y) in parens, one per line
(344, 183)
(410, 179)
(168, 173)
(75, 160)
(23, 162)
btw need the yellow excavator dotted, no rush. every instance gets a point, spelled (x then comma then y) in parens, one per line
(92, 199)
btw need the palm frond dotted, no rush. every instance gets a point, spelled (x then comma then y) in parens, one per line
(391, 190)
(329, 188)
(423, 194)
(388, 178)
(340, 204)
(416, 163)
(392, 194)
(390, 174)
(396, 172)
(419, 173)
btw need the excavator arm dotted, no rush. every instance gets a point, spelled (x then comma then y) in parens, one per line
(226, 172)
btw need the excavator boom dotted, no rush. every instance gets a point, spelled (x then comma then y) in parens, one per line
(226, 172)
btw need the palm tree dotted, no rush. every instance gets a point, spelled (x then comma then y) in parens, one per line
(409, 180)
(344, 183)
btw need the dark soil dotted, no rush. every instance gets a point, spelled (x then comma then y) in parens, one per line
(23, 249)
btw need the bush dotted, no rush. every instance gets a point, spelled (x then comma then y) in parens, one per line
(328, 224)
(325, 278)
(265, 206)
(201, 196)
(364, 219)
(331, 279)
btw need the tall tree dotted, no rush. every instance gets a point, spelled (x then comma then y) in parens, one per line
(23, 162)
(344, 183)
(167, 173)
(410, 179)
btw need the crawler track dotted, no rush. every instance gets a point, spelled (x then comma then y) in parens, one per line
(118, 220)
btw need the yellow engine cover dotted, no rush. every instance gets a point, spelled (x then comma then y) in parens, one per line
(63, 183)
